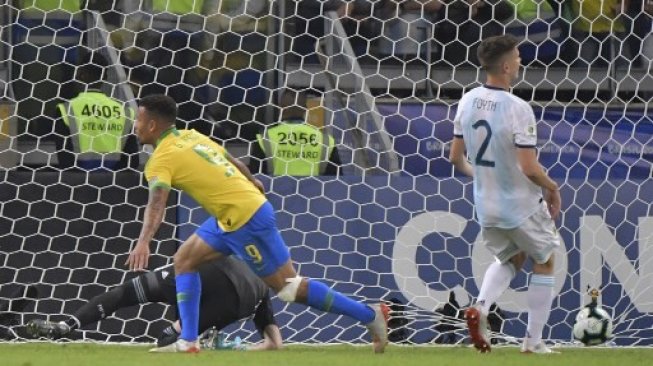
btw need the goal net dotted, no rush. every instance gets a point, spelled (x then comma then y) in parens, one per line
(383, 78)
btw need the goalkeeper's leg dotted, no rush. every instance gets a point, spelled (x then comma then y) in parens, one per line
(141, 289)
(17, 300)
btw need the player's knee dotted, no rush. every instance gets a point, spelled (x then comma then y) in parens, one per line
(545, 268)
(289, 292)
(182, 262)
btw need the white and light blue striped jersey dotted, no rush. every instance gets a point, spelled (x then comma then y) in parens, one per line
(494, 124)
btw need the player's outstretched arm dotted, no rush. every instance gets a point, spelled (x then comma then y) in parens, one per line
(272, 340)
(457, 157)
(109, 302)
(156, 206)
(98, 308)
(267, 327)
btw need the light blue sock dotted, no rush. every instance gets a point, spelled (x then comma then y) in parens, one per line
(188, 302)
(323, 298)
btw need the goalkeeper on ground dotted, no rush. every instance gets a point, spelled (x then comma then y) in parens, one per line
(232, 292)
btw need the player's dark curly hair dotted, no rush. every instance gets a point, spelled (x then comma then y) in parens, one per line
(161, 106)
(492, 49)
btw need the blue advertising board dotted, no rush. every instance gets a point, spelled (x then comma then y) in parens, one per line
(573, 142)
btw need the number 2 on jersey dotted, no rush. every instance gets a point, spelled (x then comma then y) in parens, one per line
(486, 141)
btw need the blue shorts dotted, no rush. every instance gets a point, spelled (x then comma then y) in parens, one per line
(258, 242)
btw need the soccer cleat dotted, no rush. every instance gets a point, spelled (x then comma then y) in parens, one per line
(181, 346)
(167, 337)
(43, 328)
(539, 348)
(478, 331)
(379, 327)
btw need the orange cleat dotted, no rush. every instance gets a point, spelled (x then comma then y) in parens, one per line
(477, 326)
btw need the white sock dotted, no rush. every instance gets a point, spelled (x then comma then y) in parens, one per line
(496, 281)
(540, 297)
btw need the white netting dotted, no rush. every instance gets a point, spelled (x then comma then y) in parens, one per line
(383, 77)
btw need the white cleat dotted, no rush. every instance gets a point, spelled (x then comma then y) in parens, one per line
(379, 327)
(181, 346)
(539, 348)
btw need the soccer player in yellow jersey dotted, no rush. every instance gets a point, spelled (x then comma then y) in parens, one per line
(242, 223)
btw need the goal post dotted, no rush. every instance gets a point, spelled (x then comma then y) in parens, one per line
(397, 225)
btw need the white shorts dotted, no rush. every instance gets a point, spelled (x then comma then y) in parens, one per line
(537, 237)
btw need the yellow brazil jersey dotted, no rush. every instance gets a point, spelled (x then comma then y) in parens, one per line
(190, 161)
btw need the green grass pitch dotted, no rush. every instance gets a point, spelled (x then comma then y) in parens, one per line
(50, 354)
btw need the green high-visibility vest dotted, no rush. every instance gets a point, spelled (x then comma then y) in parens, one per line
(180, 7)
(70, 6)
(528, 9)
(98, 125)
(296, 149)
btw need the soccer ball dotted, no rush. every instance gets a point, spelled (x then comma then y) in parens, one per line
(593, 326)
